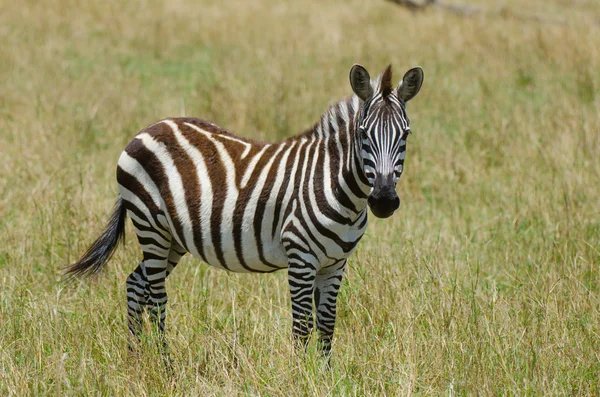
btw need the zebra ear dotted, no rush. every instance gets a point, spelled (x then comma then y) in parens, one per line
(411, 84)
(361, 82)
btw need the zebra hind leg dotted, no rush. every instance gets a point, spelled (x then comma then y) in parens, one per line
(157, 269)
(145, 288)
(154, 271)
(138, 290)
(175, 254)
(137, 298)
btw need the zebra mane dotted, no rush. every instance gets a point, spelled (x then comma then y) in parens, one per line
(383, 84)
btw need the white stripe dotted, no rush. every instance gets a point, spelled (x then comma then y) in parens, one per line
(153, 235)
(267, 223)
(135, 169)
(237, 140)
(251, 166)
(129, 196)
(205, 195)
(175, 186)
(248, 237)
(291, 186)
(230, 198)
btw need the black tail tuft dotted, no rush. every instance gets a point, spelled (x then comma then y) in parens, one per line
(104, 246)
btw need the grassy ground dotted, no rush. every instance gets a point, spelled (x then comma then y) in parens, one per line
(486, 281)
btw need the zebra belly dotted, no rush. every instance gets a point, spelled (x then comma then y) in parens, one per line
(242, 254)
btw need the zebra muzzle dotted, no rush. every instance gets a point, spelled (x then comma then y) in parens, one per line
(383, 201)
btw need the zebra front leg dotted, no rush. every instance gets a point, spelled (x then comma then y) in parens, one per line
(301, 278)
(327, 285)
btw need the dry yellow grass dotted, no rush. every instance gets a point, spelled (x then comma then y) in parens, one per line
(486, 281)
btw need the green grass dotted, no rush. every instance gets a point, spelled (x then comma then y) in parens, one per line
(485, 282)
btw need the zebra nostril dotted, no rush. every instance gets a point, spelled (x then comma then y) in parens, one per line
(371, 201)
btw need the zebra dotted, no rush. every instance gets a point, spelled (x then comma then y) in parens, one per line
(190, 186)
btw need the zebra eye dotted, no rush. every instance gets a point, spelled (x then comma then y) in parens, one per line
(407, 132)
(363, 134)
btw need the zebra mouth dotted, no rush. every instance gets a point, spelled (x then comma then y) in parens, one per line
(383, 207)
(380, 212)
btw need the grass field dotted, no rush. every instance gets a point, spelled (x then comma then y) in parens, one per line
(486, 281)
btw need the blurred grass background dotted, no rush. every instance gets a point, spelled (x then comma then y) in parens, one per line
(485, 282)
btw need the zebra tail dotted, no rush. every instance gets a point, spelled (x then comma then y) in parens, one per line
(103, 248)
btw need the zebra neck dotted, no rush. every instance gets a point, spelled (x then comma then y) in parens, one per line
(337, 157)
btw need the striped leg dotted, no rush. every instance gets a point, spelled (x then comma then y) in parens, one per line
(301, 278)
(156, 272)
(137, 298)
(158, 266)
(327, 285)
(175, 255)
(139, 289)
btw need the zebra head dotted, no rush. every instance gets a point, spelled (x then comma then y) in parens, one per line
(381, 131)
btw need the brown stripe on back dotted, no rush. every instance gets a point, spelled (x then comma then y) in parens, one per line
(210, 127)
(189, 180)
(235, 148)
(217, 174)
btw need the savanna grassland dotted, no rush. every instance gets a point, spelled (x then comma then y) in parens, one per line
(486, 281)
